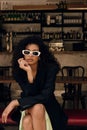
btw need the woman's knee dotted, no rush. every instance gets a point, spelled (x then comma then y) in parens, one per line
(38, 111)
(27, 120)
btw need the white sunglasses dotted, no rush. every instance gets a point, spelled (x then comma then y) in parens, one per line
(28, 52)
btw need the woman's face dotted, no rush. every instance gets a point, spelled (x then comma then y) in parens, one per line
(33, 55)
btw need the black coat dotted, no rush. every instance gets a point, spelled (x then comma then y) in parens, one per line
(42, 91)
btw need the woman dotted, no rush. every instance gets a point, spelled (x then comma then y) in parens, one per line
(35, 69)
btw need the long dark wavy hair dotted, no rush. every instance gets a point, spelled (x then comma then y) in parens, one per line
(45, 57)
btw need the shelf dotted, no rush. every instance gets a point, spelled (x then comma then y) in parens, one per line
(72, 25)
(35, 7)
(70, 52)
(26, 33)
(78, 40)
(18, 22)
(51, 23)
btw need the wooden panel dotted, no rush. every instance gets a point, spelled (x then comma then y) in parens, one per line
(77, 6)
(34, 7)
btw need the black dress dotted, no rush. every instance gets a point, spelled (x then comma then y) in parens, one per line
(42, 91)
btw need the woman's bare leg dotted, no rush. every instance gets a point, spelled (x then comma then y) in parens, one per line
(38, 117)
(27, 122)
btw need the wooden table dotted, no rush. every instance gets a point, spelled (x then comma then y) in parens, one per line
(78, 80)
(7, 79)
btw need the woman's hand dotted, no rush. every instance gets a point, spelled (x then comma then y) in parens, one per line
(23, 64)
(13, 104)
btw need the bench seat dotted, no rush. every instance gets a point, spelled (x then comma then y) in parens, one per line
(77, 117)
(9, 120)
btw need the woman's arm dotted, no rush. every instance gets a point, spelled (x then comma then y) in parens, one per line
(13, 104)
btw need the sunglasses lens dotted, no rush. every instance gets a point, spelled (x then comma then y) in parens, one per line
(26, 52)
(35, 53)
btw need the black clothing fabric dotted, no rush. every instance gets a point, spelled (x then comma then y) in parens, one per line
(16, 115)
(42, 91)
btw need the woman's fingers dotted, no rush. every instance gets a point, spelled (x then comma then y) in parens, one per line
(4, 117)
(20, 60)
(8, 110)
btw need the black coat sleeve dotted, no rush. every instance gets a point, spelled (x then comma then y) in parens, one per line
(46, 92)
